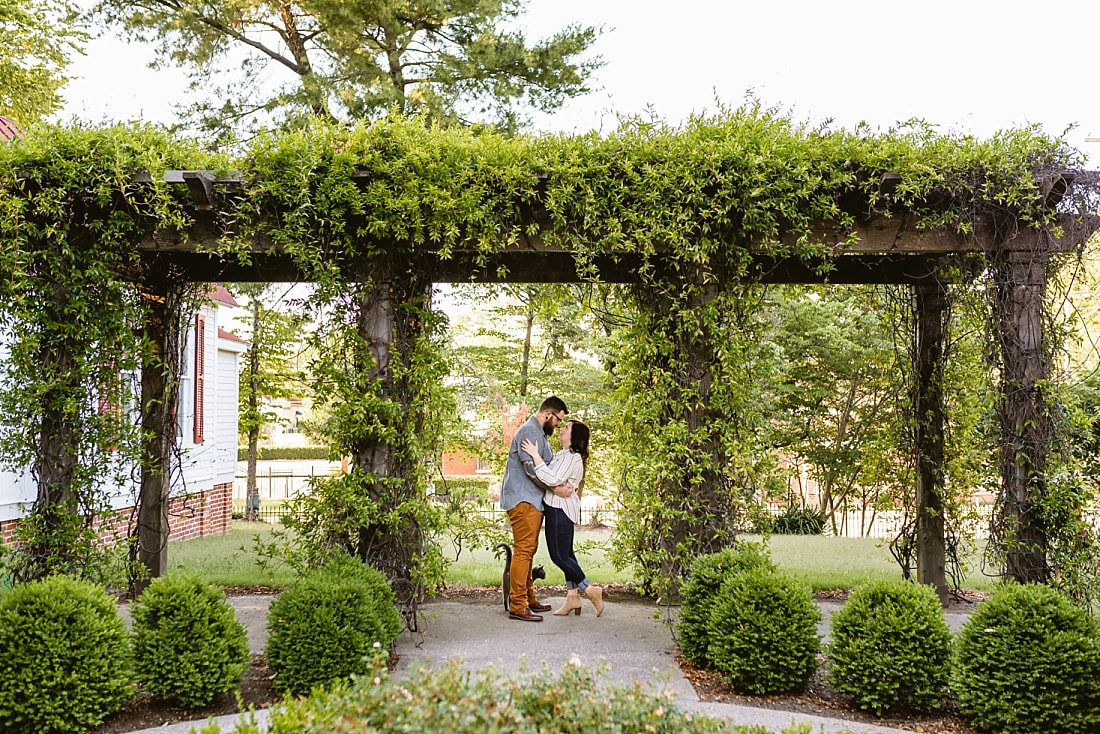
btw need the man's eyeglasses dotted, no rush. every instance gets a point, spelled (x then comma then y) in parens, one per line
(559, 418)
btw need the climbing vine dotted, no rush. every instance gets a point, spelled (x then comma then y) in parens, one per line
(72, 207)
(367, 212)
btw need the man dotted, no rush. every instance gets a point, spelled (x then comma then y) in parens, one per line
(521, 498)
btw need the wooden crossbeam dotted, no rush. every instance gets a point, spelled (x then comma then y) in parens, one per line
(879, 248)
(561, 267)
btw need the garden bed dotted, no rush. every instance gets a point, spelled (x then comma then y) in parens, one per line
(821, 699)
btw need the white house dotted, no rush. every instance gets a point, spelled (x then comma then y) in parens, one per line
(202, 490)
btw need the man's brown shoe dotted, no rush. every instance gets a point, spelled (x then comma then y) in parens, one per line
(524, 615)
(540, 607)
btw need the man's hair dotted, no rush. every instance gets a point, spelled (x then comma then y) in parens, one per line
(553, 403)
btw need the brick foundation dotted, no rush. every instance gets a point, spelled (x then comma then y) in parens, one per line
(195, 515)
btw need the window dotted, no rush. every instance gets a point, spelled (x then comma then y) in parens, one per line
(200, 375)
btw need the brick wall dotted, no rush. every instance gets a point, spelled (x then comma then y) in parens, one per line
(195, 515)
(201, 514)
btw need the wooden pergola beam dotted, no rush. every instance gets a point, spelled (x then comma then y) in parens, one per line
(877, 249)
(561, 267)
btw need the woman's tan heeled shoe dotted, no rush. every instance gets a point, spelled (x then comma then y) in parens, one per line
(572, 604)
(595, 595)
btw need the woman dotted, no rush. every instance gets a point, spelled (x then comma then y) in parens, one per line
(565, 473)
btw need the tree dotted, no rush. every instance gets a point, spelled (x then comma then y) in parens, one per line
(274, 331)
(455, 60)
(40, 36)
(533, 341)
(834, 401)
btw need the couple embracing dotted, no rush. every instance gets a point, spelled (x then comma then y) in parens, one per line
(538, 482)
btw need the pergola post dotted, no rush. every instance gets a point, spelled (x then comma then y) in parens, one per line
(930, 314)
(389, 328)
(159, 396)
(376, 330)
(1026, 424)
(56, 505)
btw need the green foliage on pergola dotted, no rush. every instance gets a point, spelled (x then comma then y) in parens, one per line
(690, 216)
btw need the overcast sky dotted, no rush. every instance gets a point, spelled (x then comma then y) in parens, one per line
(971, 66)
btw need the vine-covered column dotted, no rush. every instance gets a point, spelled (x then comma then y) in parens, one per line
(691, 421)
(379, 374)
(163, 294)
(1026, 424)
(930, 316)
(56, 516)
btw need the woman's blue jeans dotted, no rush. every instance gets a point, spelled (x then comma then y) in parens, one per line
(559, 543)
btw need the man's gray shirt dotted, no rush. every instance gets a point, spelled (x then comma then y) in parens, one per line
(517, 486)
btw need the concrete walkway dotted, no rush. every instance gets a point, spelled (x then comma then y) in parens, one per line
(632, 638)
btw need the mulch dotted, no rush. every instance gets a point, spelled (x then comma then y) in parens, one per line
(145, 712)
(821, 699)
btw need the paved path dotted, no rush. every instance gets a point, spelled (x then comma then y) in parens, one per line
(632, 638)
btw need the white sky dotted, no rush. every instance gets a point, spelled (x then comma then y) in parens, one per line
(972, 66)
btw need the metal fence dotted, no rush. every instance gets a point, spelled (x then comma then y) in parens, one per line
(278, 483)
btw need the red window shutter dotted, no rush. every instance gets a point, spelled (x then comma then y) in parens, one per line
(200, 376)
(109, 391)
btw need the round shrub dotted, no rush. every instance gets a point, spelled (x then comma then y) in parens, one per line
(330, 624)
(1028, 660)
(65, 660)
(890, 647)
(188, 644)
(764, 632)
(708, 573)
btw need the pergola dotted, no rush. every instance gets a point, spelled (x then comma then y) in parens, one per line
(881, 247)
(485, 208)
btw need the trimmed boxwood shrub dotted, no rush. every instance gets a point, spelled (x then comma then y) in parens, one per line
(65, 661)
(1028, 660)
(330, 624)
(764, 632)
(708, 573)
(451, 699)
(287, 453)
(890, 646)
(188, 644)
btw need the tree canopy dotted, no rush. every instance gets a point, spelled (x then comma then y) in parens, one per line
(40, 38)
(453, 60)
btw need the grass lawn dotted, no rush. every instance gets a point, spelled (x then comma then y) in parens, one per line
(824, 563)
(843, 563)
(228, 560)
(483, 567)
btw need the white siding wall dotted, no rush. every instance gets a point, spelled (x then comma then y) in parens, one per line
(204, 465)
(224, 418)
(197, 460)
(14, 489)
(214, 461)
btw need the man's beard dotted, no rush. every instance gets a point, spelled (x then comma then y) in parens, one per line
(548, 427)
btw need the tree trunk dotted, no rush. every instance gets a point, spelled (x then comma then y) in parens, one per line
(525, 366)
(252, 496)
(390, 332)
(1026, 425)
(929, 306)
